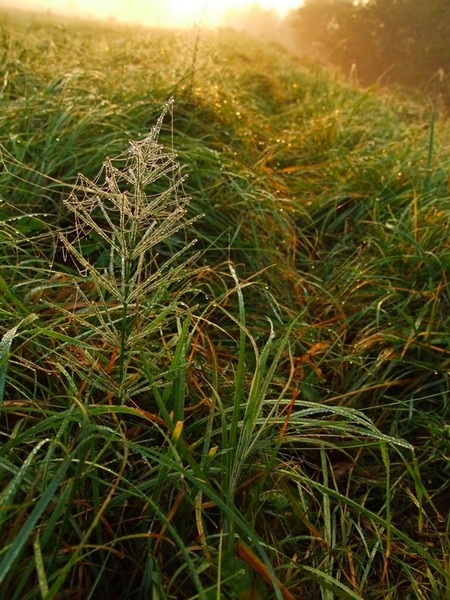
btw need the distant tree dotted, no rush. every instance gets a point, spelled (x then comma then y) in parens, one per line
(261, 22)
(412, 37)
(253, 19)
(396, 41)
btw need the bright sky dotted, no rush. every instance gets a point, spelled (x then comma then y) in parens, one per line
(212, 10)
(156, 12)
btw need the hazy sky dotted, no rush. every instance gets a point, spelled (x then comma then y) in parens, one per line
(155, 12)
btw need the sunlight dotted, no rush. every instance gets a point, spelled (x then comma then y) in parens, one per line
(177, 13)
(210, 12)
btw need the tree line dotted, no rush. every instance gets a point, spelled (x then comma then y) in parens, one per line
(405, 42)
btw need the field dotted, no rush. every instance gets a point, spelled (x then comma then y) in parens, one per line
(224, 323)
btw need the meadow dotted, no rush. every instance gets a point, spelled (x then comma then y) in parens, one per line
(224, 323)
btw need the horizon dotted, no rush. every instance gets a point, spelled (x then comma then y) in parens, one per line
(206, 13)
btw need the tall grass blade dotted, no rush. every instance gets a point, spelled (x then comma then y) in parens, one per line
(5, 346)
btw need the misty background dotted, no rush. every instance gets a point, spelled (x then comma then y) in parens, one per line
(383, 42)
(397, 43)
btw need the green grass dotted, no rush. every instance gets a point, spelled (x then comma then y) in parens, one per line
(224, 360)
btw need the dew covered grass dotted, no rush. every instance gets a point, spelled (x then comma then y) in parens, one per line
(224, 343)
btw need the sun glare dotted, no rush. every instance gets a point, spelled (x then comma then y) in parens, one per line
(158, 12)
(210, 12)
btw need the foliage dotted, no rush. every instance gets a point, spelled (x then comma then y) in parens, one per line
(224, 359)
(396, 42)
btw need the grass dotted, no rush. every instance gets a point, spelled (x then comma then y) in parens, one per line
(224, 355)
